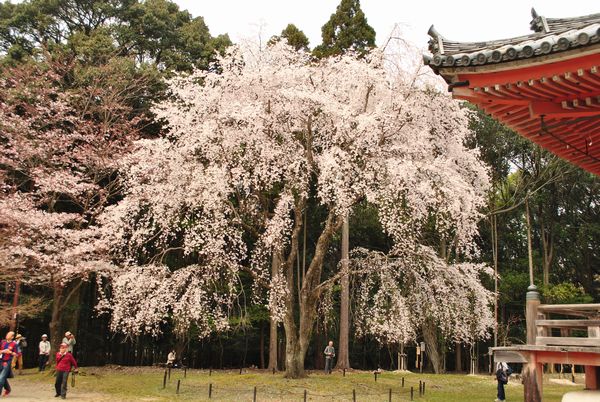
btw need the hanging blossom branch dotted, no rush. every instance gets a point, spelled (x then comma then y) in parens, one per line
(405, 289)
(252, 145)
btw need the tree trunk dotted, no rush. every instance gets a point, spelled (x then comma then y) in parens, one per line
(298, 333)
(275, 264)
(529, 247)
(55, 320)
(262, 346)
(433, 348)
(343, 347)
(458, 367)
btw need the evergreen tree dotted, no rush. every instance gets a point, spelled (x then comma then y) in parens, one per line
(346, 29)
(295, 37)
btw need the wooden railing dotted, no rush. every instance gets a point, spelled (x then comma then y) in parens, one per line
(589, 320)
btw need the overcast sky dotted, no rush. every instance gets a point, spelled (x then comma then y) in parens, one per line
(462, 20)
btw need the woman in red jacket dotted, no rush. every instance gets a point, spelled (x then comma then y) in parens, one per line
(64, 362)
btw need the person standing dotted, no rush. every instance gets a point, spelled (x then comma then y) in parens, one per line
(69, 339)
(502, 373)
(171, 358)
(18, 359)
(64, 362)
(8, 349)
(329, 355)
(44, 352)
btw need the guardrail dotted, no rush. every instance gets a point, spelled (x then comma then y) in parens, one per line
(588, 321)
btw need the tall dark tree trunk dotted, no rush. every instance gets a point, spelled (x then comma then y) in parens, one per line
(458, 364)
(262, 346)
(275, 266)
(55, 320)
(343, 348)
(298, 332)
(433, 351)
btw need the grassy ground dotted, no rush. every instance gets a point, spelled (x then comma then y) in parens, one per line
(145, 384)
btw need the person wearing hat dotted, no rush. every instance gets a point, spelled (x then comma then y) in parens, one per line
(64, 362)
(69, 339)
(8, 349)
(18, 359)
(44, 352)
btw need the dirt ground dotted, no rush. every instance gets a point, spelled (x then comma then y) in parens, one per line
(23, 390)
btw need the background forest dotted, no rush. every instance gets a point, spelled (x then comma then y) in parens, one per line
(96, 67)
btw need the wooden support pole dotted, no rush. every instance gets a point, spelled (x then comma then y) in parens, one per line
(305, 395)
(531, 313)
(390, 396)
(532, 379)
(254, 396)
(412, 393)
(353, 395)
(592, 377)
(209, 390)
(402, 382)
(178, 384)
(165, 380)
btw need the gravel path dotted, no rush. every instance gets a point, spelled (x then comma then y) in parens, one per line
(25, 390)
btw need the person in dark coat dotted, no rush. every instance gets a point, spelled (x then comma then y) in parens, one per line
(502, 374)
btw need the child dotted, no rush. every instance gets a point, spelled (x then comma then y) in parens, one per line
(64, 361)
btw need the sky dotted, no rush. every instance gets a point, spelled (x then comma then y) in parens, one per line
(460, 20)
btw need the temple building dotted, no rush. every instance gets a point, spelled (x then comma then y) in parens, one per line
(546, 87)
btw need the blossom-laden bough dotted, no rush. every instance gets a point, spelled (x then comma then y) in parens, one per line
(255, 143)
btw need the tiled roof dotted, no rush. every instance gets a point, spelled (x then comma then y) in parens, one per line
(551, 35)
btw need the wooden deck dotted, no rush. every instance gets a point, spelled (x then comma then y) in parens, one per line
(557, 341)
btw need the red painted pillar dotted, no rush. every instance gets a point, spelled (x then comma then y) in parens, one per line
(592, 377)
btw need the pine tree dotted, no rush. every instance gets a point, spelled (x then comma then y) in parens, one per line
(346, 29)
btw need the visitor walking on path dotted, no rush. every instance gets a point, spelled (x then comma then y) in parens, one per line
(44, 352)
(8, 349)
(502, 373)
(69, 339)
(64, 362)
(329, 355)
(18, 359)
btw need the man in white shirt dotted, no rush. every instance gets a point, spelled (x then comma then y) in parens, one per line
(44, 352)
(69, 339)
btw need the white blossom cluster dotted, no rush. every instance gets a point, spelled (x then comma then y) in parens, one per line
(399, 293)
(249, 141)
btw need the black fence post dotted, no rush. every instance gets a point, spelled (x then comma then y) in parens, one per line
(165, 380)
(390, 396)
(412, 393)
(402, 382)
(185, 372)
(420, 388)
(169, 373)
(254, 397)
(305, 395)
(178, 383)
(375, 374)
(423, 387)
(353, 395)
(209, 390)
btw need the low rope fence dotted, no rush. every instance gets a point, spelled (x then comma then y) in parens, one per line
(403, 391)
